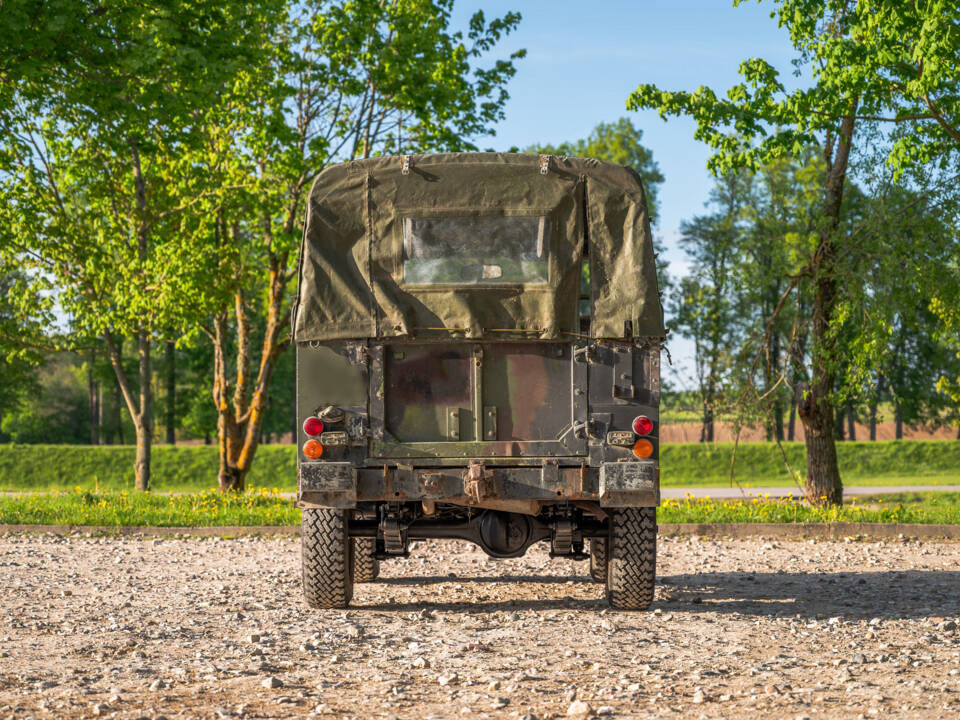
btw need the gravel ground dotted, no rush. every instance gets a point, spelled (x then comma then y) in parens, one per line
(210, 628)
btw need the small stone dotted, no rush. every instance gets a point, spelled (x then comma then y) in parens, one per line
(321, 709)
(99, 709)
(157, 685)
(421, 662)
(698, 698)
(859, 659)
(352, 631)
(947, 626)
(307, 647)
(528, 716)
(579, 708)
(494, 685)
(272, 682)
(500, 703)
(254, 638)
(447, 679)
(606, 710)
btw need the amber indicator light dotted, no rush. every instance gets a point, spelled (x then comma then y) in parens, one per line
(643, 448)
(312, 449)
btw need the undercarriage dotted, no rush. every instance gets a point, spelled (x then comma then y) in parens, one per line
(498, 533)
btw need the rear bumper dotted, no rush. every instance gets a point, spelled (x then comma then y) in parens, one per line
(340, 485)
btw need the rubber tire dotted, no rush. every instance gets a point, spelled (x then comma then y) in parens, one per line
(598, 559)
(632, 564)
(326, 558)
(366, 567)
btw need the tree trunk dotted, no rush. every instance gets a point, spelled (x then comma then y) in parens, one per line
(792, 425)
(144, 423)
(93, 397)
(898, 421)
(851, 423)
(100, 417)
(139, 406)
(838, 424)
(706, 432)
(239, 422)
(170, 415)
(873, 408)
(816, 410)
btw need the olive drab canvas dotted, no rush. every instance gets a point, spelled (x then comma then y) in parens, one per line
(478, 357)
(394, 250)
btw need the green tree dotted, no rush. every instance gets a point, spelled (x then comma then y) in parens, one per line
(705, 305)
(347, 80)
(56, 411)
(92, 140)
(617, 142)
(870, 61)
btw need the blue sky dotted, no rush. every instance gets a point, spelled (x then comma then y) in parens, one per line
(585, 58)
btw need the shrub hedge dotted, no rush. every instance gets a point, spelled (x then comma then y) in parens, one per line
(194, 467)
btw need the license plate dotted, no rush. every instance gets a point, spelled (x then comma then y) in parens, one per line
(620, 437)
(333, 438)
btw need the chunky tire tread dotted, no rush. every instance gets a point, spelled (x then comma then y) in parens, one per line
(598, 559)
(366, 567)
(632, 562)
(326, 557)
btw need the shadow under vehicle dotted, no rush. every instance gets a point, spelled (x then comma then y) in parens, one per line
(478, 357)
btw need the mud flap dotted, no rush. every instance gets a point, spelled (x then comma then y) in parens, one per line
(328, 484)
(629, 484)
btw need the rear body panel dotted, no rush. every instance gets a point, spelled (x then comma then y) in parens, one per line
(543, 412)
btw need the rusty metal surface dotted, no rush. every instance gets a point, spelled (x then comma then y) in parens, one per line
(629, 484)
(548, 413)
(474, 400)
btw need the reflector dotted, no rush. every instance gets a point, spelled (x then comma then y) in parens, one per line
(313, 426)
(642, 425)
(312, 449)
(643, 448)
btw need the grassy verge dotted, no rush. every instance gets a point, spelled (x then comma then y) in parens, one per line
(204, 509)
(193, 468)
(211, 509)
(925, 508)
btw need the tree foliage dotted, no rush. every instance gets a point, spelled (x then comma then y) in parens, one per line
(349, 79)
(867, 63)
(617, 142)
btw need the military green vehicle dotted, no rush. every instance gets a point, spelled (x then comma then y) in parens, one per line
(478, 357)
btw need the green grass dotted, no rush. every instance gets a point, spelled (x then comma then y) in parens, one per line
(193, 468)
(896, 462)
(110, 467)
(204, 509)
(924, 508)
(212, 509)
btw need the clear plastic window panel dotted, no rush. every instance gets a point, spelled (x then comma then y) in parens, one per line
(493, 250)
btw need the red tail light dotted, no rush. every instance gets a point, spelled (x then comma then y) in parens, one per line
(642, 425)
(312, 449)
(313, 426)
